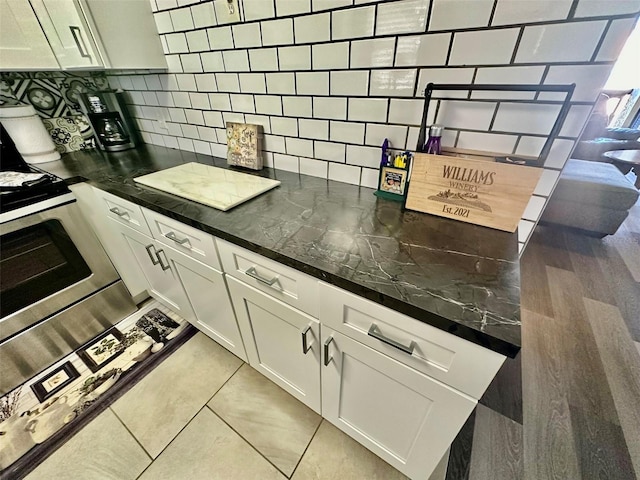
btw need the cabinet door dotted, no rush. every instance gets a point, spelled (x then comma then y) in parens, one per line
(209, 300)
(282, 343)
(402, 415)
(66, 29)
(162, 280)
(23, 46)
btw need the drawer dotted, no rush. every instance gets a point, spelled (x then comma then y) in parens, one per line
(195, 243)
(123, 211)
(279, 281)
(454, 361)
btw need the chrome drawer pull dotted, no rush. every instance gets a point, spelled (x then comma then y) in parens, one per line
(373, 332)
(254, 274)
(153, 260)
(305, 346)
(179, 241)
(117, 211)
(327, 358)
(164, 267)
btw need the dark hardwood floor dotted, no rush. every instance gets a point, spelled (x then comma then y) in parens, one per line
(568, 407)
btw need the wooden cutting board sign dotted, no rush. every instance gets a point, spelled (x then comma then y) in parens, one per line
(481, 192)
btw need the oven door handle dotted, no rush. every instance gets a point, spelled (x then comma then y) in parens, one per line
(156, 260)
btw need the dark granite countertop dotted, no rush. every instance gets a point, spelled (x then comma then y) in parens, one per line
(461, 278)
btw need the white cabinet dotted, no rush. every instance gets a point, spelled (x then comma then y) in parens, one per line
(281, 342)
(405, 417)
(207, 294)
(23, 45)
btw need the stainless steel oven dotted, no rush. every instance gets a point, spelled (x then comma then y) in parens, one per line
(58, 288)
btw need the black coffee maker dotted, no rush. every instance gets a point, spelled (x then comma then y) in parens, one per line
(111, 122)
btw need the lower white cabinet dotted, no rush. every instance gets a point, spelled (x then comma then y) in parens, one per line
(281, 342)
(207, 295)
(402, 415)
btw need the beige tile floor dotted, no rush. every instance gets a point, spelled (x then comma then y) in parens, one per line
(204, 414)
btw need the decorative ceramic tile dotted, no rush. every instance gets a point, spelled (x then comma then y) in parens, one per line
(70, 134)
(244, 145)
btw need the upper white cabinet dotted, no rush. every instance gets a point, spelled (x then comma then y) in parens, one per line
(79, 34)
(23, 45)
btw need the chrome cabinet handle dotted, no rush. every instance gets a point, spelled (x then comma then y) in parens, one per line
(373, 332)
(76, 33)
(327, 358)
(153, 260)
(164, 267)
(117, 211)
(179, 241)
(254, 274)
(305, 345)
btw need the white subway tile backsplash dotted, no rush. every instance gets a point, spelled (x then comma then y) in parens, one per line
(534, 208)
(273, 143)
(252, 83)
(406, 16)
(406, 112)
(150, 98)
(422, 50)
(257, 9)
(181, 99)
(153, 82)
(197, 41)
(332, 152)
(232, 117)
(367, 109)
(344, 173)
(489, 142)
(615, 39)
(412, 138)
(295, 58)
(267, 159)
(312, 28)
(173, 63)
(372, 53)
(236, 60)
(182, 19)
(164, 99)
(531, 146)
(393, 83)
(346, 132)
(316, 129)
(220, 38)
(576, 119)
(138, 82)
(200, 100)
(363, 156)
(194, 117)
(242, 103)
(263, 59)
(298, 146)
(165, 4)
(156, 139)
(189, 131)
(286, 162)
(227, 82)
(546, 183)
(219, 150)
(268, 104)
(213, 119)
(283, 83)
(525, 228)
(246, 35)
(202, 147)
(375, 135)
(352, 23)
(369, 177)
(516, 12)
(177, 43)
(466, 115)
(277, 32)
(292, 7)
(539, 43)
(284, 126)
(185, 144)
(596, 8)
(445, 75)
(191, 63)
(262, 120)
(559, 153)
(497, 75)
(329, 4)
(312, 83)
(177, 115)
(212, 61)
(220, 101)
(456, 14)
(349, 83)
(526, 118)
(330, 56)
(163, 22)
(297, 106)
(167, 80)
(203, 15)
(485, 47)
(315, 168)
(332, 108)
(592, 78)
(170, 142)
(174, 129)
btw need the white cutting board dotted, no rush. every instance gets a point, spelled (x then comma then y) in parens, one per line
(216, 187)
